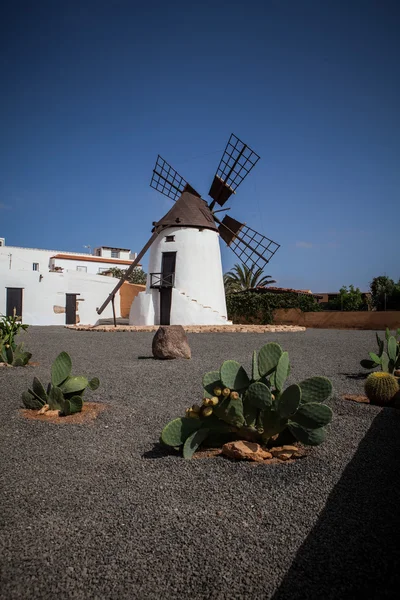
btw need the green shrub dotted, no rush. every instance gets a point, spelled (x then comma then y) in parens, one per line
(259, 308)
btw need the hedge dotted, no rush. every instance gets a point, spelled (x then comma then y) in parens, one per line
(259, 308)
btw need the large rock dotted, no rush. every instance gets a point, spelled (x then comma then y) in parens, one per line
(171, 342)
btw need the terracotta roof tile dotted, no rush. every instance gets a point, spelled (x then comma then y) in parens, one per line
(90, 258)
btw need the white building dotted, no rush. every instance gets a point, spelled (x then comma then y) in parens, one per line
(185, 280)
(53, 287)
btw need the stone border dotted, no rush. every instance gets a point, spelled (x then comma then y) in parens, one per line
(194, 328)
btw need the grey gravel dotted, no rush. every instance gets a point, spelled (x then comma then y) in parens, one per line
(99, 511)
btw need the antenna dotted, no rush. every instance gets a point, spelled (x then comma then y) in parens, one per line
(168, 181)
(236, 163)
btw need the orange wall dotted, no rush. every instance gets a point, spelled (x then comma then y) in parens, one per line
(128, 292)
(338, 319)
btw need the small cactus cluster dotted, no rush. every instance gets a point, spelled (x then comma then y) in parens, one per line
(64, 392)
(381, 388)
(389, 359)
(11, 353)
(256, 408)
(14, 356)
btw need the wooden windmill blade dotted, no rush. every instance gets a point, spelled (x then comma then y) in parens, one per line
(166, 179)
(252, 248)
(236, 163)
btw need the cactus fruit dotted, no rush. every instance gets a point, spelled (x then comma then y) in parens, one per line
(192, 414)
(226, 392)
(234, 396)
(217, 391)
(381, 387)
(207, 411)
(195, 408)
(214, 401)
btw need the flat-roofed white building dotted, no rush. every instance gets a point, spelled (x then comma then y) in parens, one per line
(53, 287)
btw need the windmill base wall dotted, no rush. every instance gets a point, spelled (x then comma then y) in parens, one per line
(198, 295)
(184, 311)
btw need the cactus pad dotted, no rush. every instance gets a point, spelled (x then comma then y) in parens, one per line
(176, 432)
(308, 437)
(211, 380)
(255, 373)
(56, 399)
(230, 411)
(61, 368)
(268, 358)
(31, 401)
(289, 401)
(313, 415)
(315, 389)
(193, 442)
(258, 395)
(233, 376)
(94, 383)
(73, 405)
(74, 385)
(281, 370)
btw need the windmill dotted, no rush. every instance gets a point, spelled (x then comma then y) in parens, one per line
(185, 280)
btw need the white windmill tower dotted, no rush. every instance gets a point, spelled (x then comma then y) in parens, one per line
(185, 280)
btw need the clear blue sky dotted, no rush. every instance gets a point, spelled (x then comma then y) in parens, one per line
(92, 91)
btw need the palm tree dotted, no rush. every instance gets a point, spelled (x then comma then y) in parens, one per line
(244, 278)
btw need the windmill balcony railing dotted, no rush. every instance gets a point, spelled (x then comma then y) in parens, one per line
(160, 280)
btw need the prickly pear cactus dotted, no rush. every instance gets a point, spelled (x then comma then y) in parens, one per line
(256, 409)
(64, 393)
(388, 360)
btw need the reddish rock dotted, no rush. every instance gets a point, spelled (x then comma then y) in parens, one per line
(243, 450)
(171, 342)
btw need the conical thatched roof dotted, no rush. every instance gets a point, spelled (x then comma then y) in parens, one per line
(188, 211)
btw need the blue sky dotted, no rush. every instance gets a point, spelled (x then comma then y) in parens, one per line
(92, 91)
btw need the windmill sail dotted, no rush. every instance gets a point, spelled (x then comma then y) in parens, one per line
(168, 181)
(236, 163)
(252, 248)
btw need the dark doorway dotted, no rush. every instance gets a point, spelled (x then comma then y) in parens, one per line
(167, 279)
(70, 309)
(14, 302)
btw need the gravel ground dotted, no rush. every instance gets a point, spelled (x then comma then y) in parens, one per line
(98, 511)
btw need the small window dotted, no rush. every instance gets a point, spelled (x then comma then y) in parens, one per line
(35, 266)
(170, 238)
(114, 254)
(81, 268)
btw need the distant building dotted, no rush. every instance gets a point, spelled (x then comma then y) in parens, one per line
(53, 287)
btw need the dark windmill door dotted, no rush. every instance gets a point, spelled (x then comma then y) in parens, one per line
(70, 309)
(167, 283)
(14, 302)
